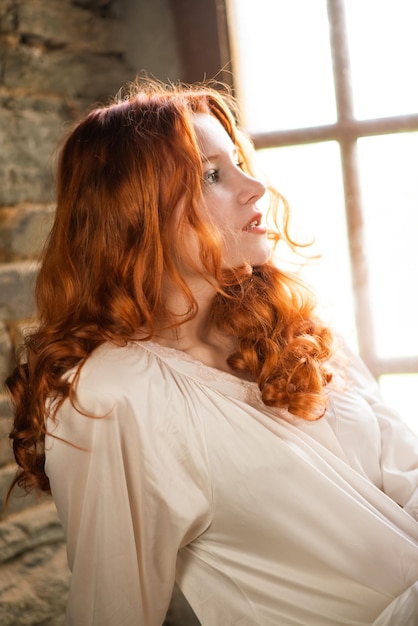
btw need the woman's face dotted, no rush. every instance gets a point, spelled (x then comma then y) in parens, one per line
(230, 196)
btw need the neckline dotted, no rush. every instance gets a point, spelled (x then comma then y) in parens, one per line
(212, 373)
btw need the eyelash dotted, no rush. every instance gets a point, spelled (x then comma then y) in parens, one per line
(213, 176)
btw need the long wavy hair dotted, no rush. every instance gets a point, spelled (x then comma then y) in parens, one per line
(122, 172)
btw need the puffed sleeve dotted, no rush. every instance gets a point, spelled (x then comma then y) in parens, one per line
(131, 487)
(399, 445)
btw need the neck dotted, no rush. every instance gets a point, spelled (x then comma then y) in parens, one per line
(197, 336)
(194, 330)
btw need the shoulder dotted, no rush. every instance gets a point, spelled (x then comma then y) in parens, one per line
(116, 362)
(113, 374)
(140, 405)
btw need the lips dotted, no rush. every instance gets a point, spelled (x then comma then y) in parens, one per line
(254, 223)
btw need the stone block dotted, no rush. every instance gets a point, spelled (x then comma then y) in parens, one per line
(67, 72)
(19, 500)
(8, 16)
(58, 24)
(30, 130)
(25, 530)
(23, 231)
(34, 576)
(6, 452)
(6, 357)
(20, 184)
(34, 588)
(16, 290)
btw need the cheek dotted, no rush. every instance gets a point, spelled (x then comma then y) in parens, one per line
(217, 211)
(218, 208)
(221, 218)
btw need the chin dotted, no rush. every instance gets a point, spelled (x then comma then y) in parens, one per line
(259, 258)
(252, 257)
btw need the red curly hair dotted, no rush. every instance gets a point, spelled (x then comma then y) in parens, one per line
(122, 172)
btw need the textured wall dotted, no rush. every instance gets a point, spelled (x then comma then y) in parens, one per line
(57, 58)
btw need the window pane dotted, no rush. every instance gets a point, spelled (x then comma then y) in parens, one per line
(400, 392)
(383, 47)
(310, 179)
(285, 70)
(388, 168)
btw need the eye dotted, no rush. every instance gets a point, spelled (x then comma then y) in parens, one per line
(212, 176)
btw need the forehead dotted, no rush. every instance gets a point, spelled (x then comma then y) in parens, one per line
(211, 135)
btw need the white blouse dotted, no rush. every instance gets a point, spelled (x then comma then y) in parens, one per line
(168, 469)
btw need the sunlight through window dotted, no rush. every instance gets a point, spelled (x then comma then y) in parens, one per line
(286, 61)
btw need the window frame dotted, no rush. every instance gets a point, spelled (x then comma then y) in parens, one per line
(346, 131)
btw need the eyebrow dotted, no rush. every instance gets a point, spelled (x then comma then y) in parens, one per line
(213, 157)
(210, 157)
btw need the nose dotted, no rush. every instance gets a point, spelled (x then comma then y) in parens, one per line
(251, 189)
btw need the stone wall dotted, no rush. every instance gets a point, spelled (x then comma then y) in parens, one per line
(57, 58)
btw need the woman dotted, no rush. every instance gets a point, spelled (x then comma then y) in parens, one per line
(191, 416)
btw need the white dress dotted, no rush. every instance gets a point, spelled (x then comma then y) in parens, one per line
(263, 519)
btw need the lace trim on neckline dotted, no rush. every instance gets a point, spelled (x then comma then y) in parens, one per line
(206, 372)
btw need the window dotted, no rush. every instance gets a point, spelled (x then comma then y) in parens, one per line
(330, 98)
